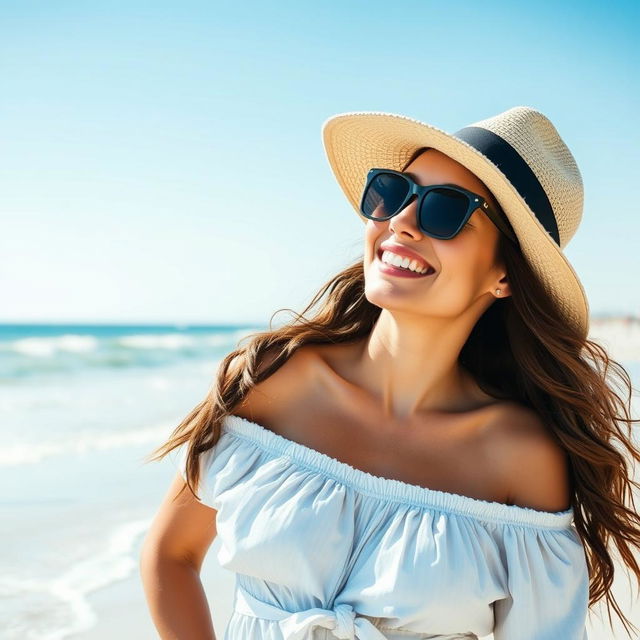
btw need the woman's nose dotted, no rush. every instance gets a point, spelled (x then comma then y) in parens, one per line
(406, 220)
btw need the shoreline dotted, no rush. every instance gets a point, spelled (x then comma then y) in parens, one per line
(121, 607)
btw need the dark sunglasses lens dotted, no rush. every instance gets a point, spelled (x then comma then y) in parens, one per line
(383, 195)
(443, 211)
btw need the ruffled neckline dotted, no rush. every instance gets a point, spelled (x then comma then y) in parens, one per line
(390, 488)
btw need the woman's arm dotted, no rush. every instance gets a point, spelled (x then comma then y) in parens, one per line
(170, 562)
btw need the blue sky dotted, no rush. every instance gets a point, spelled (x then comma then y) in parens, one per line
(162, 161)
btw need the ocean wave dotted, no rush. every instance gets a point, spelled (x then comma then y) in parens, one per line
(20, 453)
(149, 341)
(36, 347)
(106, 348)
(54, 609)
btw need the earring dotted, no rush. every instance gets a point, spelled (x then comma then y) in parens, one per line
(498, 291)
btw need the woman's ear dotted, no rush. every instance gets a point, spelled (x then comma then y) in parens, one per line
(503, 286)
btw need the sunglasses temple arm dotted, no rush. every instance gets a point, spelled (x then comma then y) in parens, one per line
(497, 220)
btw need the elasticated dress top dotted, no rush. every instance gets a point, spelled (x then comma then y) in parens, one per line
(324, 551)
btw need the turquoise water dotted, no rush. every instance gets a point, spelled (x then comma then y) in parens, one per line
(80, 407)
(44, 350)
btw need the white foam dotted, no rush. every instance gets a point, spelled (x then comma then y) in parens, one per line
(62, 602)
(216, 340)
(19, 453)
(160, 341)
(47, 347)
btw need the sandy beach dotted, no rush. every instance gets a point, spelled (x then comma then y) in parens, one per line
(123, 608)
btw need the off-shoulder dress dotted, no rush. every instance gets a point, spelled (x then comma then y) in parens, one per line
(322, 550)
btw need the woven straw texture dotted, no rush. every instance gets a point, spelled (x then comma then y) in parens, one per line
(357, 141)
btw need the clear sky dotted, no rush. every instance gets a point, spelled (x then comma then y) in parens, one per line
(162, 161)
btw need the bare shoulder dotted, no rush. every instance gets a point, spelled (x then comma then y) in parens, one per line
(280, 388)
(532, 464)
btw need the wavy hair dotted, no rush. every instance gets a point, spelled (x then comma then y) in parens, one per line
(520, 349)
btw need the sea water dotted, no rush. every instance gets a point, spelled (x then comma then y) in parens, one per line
(80, 409)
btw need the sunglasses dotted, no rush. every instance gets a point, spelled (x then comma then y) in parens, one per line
(442, 211)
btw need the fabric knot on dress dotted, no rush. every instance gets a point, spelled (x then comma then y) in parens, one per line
(343, 621)
(345, 617)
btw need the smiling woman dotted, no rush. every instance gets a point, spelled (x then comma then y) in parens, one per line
(430, 453)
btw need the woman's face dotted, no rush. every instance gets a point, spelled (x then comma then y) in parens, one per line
(464, 274)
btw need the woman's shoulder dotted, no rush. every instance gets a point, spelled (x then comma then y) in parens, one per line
(527, 455)
(281, 389)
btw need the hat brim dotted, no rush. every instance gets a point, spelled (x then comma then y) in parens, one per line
(356, 141)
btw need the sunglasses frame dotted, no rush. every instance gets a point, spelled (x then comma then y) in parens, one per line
(474, 201)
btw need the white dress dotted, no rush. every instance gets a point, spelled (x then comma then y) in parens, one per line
(322, 550)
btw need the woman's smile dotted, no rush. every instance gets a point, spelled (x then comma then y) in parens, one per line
(401, 272)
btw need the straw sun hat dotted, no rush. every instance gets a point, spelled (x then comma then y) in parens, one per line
(518, 155)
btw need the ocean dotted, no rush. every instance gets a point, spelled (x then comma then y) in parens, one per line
(80, 408)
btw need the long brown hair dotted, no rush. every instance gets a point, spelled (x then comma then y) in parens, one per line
(522, 349)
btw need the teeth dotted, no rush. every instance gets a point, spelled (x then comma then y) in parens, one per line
(394, 259)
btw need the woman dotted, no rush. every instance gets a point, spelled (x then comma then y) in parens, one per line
(430, 455)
